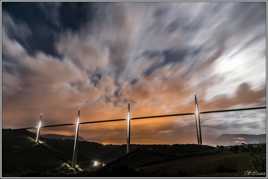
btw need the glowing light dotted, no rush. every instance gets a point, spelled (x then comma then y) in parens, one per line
(96, 163)
(39, 125)
(128, 116)
(77, 121)
(74, 158)
(197, 120)
(128, 128)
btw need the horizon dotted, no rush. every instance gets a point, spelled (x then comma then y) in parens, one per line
(230, 142)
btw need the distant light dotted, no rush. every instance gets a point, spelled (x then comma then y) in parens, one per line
(96, 163)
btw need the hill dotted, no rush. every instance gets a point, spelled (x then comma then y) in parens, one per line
(60, 137)
(23, 157)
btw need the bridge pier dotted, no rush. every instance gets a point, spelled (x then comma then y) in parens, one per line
(128, 129)
(197, 122)
(74, 158)
(38, 128)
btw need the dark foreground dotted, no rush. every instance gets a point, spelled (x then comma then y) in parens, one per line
(23, 157)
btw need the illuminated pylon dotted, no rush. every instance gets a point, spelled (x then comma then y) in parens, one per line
(128, 128)
(38, 127)
(197, 121)
(74, 158)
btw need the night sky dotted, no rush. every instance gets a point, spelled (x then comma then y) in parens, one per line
(97, 57)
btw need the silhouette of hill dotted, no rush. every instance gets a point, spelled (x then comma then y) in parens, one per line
(23, 157)
(21, 154)
(61, 137)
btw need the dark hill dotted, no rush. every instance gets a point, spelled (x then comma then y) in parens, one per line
(23, 157)
(60, 137)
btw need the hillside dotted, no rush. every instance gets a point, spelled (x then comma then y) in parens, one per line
(60, 137)
(23, 157)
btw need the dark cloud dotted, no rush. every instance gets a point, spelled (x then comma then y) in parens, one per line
(95, 78)
(74, 15)
(167, 57)
(41, 26)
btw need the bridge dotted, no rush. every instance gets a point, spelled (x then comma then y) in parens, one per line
(129, 118)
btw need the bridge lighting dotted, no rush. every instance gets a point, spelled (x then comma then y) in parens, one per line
(74, 158)
(128, 128)
(77, 122)
(38, 127)
(197, 120)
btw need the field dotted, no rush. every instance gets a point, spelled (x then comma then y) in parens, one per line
(52, 157)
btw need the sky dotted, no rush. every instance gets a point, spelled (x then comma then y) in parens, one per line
(98, 57)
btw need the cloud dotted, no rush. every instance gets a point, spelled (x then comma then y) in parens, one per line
(247, 122)
(100, 56)
(244, 96)
(15, 29)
